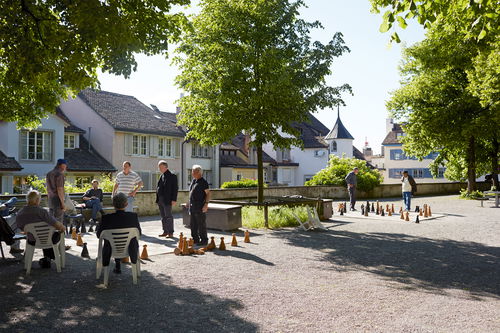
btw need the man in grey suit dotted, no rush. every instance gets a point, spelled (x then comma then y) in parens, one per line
(352, 180)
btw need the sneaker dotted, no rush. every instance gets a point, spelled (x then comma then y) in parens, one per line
(15, 251)
(44, 262)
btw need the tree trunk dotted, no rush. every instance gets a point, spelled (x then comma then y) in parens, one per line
(494, 163)
(471, 165)
(260, 174)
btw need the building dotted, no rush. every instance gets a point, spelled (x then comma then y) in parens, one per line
(35, 152)
(393, 161)
(122, 128)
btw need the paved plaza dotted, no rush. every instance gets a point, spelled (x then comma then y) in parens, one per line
(365, 274)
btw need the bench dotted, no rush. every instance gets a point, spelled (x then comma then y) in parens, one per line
(482, 199)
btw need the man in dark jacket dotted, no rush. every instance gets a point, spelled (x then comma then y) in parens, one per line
(166, 197)
(93, 199)
(352, 181)
(117, 220)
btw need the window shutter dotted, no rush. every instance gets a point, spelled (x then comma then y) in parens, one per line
(128, 144)
(153, 144)
(176, 143)
(77, 141)
(279, 155)
(24, 145)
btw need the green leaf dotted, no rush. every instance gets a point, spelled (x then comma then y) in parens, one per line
(481, 35)
(402, 22)
(395, 37)
(384, 27)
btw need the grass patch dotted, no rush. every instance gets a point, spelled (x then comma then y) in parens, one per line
(279, 217)
(471, 196)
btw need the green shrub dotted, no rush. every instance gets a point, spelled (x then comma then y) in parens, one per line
(279, 217)
(470, 196)
(241, 183)
(106, 183)
(338, 168)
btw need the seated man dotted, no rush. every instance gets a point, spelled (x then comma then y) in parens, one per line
(10, 221)
(33, 213)
(93, 199)
(117, 220)
(6, 206)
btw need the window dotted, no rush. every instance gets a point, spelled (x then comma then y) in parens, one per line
(36, 146)
(139, 145)
(285, 154)
(287, 175)
(399, 135)
(164, 147)
(441, 172)
(417, 173)
(334, 146)
(146, 179)
(70, 141)
(198, 150)
(308, 177)
(238, 176)
(81, 181)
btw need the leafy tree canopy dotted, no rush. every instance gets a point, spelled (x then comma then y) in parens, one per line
(50, 49)
(337, 170)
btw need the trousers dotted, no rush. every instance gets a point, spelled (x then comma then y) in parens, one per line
(167, 220)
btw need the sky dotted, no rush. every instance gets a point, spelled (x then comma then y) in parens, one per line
(371, 69)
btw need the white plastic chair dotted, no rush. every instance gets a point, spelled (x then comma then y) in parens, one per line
(119, 239)
(42, 232)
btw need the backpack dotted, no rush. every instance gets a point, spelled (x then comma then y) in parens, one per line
(6, 233)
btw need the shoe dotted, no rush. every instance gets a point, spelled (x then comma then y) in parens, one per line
(15, 251)
(353, 210)
(163, 235)
(170, 235)
(44, 262)
(67, 247)
(202, 243)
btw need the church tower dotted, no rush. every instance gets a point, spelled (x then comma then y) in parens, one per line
(339, 139)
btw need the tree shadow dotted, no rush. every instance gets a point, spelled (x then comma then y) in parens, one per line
(243, 255)
(72, 301)
(416, 262)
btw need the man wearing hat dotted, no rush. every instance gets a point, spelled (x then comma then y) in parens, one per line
(55, 189)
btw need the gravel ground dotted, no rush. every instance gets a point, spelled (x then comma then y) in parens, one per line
(363, 275)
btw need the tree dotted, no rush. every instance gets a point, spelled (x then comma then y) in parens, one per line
(474, 18)
(250, 66)
(52, 48)
(338, 168)
(440, 111)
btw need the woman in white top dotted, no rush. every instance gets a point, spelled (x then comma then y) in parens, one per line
(409, 187)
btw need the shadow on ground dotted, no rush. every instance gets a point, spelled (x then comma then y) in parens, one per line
(71, 301)
(416, 262)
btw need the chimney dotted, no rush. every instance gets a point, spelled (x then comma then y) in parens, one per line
(389, 124)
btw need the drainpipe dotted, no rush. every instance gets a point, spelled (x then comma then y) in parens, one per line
(182, 165)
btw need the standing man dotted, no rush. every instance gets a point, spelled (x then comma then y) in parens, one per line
(55, 189)
(409, 187)
(128, 182)
(93, 199)
(199, 196)
(166, 197)
(352, 180)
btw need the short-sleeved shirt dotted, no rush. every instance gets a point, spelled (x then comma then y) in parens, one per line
(127, 183)
(197, 194)
(33, 214)
(54, 179)
(94, 193)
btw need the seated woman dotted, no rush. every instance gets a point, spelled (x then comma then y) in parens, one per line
(33, 213)
(117, 220)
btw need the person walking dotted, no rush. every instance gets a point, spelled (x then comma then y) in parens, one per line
(55, 189)
(166, 197)
(199, 196)
(128, 182)
(409, 187)
(352, 181)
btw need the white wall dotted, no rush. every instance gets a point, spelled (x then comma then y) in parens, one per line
(102, 133)
(208, 164)
(309, 164)
(344, 146)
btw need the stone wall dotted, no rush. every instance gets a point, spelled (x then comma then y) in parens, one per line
(145, 200)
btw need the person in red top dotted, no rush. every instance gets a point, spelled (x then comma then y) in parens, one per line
(55, 189)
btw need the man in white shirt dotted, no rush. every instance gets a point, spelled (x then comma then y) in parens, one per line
(128, 182)
(409, 186)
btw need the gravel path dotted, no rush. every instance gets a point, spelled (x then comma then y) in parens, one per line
(363, 275)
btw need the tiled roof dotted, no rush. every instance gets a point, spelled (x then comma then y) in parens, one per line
(228, 146)
(360, 156)
(234, 161)
(339, 131)
(391, 137)
(313, 132)
(70, 128)
(9, 163)
(83, 159)
(126, 113)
